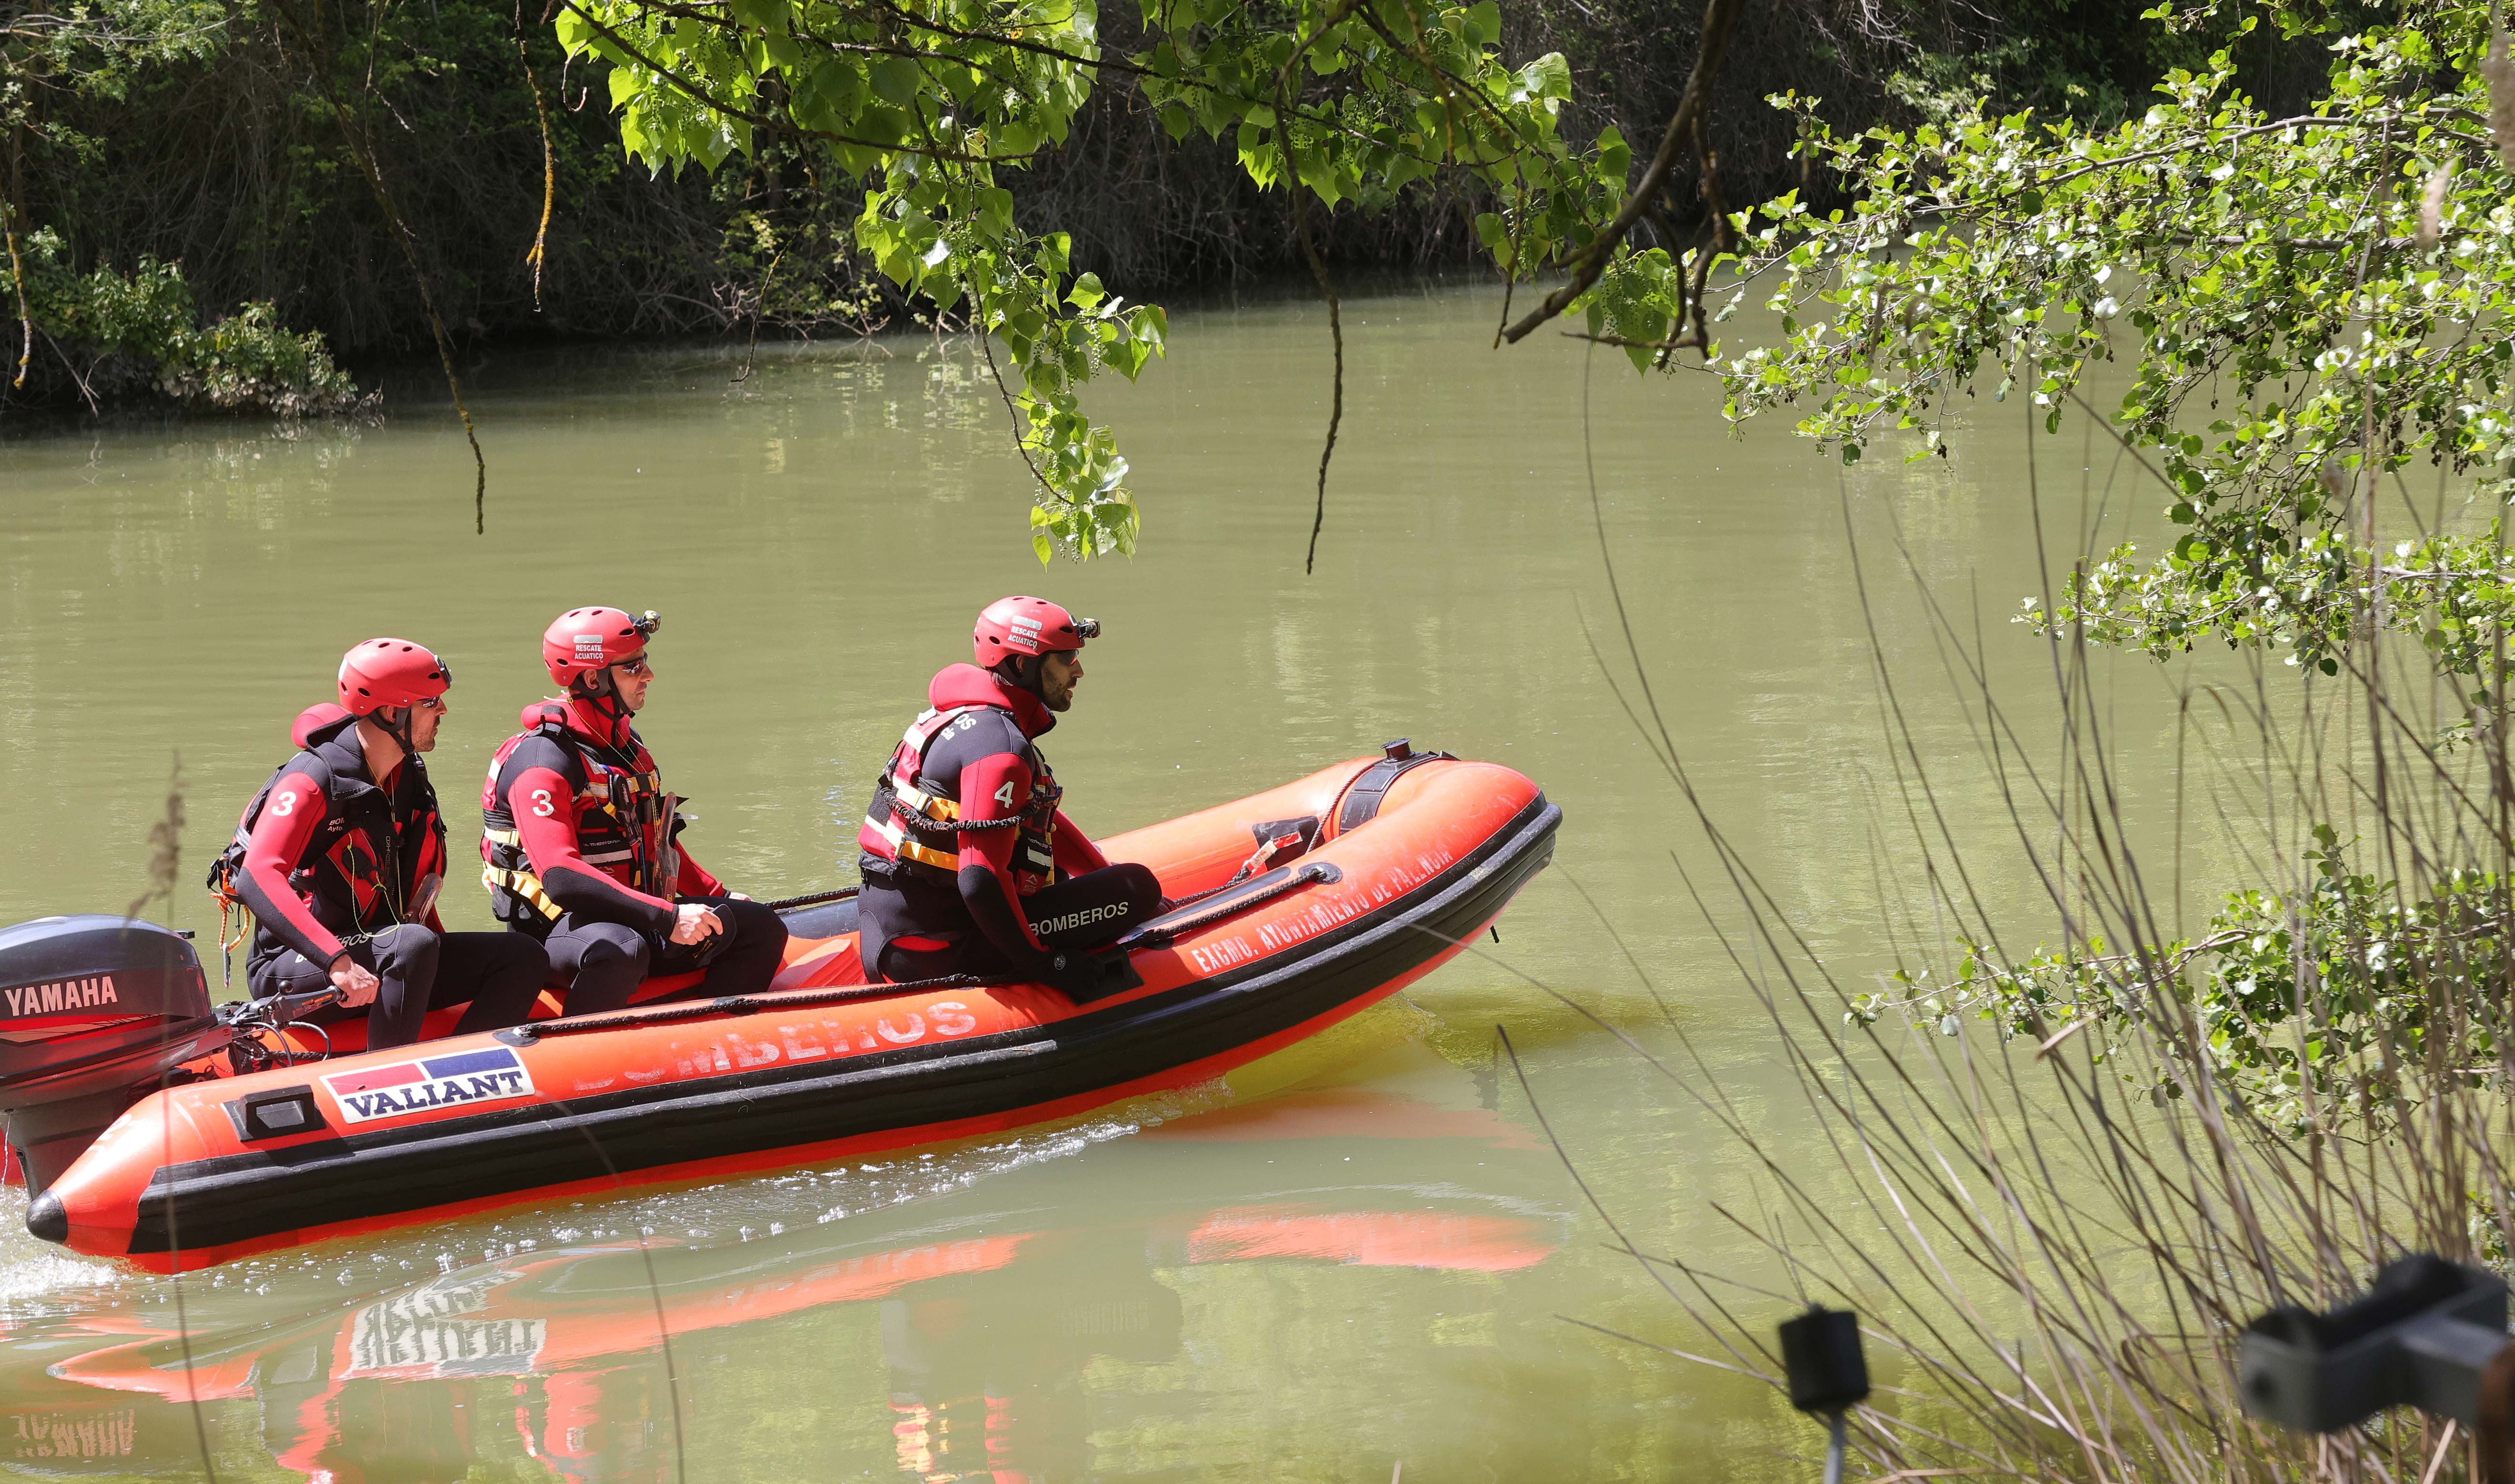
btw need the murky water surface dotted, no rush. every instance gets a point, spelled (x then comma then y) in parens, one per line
(1351, 1262)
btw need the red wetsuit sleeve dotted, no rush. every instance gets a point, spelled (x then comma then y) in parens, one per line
(294, 810)
(693, 880)
(1075, 851)
(549, 844)
(987, 884)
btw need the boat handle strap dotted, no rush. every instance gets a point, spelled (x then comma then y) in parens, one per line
(1160, 931)
(731, 1005)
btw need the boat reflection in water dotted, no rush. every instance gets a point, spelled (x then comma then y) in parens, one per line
(988, 1302)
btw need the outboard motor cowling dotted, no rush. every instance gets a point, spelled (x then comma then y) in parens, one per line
(95, 1011)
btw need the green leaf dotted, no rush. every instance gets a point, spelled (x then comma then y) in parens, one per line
(897, 80)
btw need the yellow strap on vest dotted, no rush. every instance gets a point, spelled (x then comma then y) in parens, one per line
(504, 838)
(525, 884)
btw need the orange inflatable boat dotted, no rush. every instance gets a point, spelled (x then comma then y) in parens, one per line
(152, 1128)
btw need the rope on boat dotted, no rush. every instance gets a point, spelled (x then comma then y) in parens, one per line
(813, 899)
(734, 1005)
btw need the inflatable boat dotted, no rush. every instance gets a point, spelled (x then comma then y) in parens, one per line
(152, 1128)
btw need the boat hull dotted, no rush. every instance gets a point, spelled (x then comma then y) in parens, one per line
(193, 1176)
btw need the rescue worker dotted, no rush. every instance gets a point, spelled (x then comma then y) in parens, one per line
(583, 845)
(340, 857)
(969, 863)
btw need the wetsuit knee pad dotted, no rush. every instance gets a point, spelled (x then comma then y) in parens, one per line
(756, 925)
(603, 964)
(407, 950)
(1095, 908)
(1144, 887)
(610, 943)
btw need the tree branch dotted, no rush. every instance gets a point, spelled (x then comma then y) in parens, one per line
(1720, 18)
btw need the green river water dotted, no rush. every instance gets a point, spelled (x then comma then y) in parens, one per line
(1360, 1270)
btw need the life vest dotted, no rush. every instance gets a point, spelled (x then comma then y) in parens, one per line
(363, 869)
(625, 823)
(913, 821)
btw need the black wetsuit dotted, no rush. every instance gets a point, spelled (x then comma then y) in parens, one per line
(573, 866)
(330, 863)
(1013, 900)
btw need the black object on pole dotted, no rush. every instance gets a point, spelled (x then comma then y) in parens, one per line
(1829, 1375)
(1820, 1352)
(2423, 1336)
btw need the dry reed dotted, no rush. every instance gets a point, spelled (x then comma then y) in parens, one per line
(2055, 1237)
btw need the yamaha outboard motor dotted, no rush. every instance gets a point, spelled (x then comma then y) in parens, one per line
(96, 1011)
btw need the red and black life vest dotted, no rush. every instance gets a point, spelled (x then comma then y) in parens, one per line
(625, 823)
(365, 865)
(913, 818)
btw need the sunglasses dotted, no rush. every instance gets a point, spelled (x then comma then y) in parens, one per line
(633, 665)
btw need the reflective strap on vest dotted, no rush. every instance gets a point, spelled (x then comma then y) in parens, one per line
(928, 805)
(909, 850)
(920, 736)
(909, 803)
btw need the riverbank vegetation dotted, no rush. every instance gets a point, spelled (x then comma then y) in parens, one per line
(2313, 309)
(393, 179)
(2083, 1167)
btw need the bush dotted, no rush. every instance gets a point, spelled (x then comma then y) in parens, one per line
(102, 337)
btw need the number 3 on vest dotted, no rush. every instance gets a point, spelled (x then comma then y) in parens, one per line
(542, 803)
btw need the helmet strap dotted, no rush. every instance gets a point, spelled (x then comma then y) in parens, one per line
(596, 689)
(399, 731)
(1020, 671)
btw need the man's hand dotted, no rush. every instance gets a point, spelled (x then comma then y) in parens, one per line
(695, 921)
(356, 985)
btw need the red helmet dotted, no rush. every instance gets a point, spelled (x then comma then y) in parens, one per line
(1013, 626)
(583, 640)
(389, 672)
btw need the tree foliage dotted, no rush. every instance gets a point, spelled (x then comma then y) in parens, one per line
(114, 330)
(2310, 305)
(121, 332)
(2331, 995)
(929, 102)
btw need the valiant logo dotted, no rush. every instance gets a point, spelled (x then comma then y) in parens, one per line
(436, 1082)
(1079, 919)
(59, 996)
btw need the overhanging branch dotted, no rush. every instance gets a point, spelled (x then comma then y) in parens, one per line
(1720, 18)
